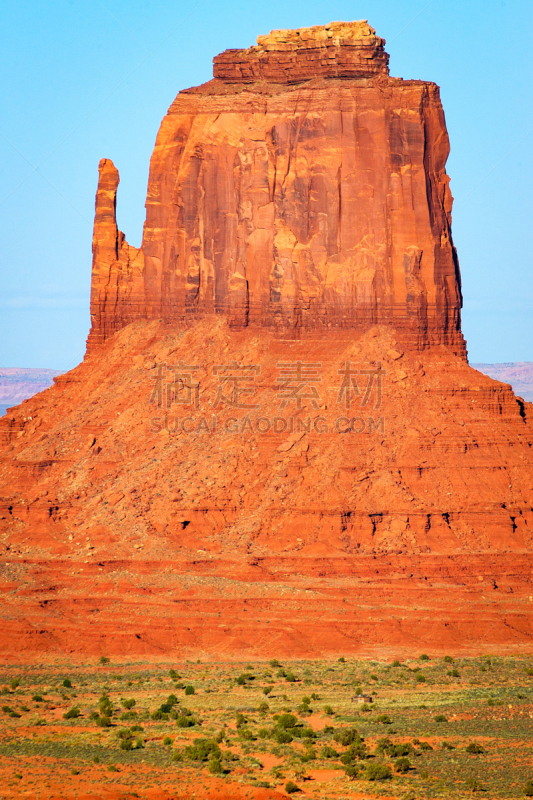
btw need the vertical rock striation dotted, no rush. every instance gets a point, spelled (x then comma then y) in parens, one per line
(301, 189)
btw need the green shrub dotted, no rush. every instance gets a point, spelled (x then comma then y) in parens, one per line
(189, 690)
(424, 657)
(373, 677)
(267, 690)
(202, 749)
(282, 737)
(14, 714)
(490, 701)
(347, 736)
(263, 733)
(103, 722)
(378, 772)
(351, 772)
(286, 721)
(396, 663)
(420, 678)
(72, 714)
(185, 722)
(425, 746)
(473, 785)
(128, 703)
(291, 787)
(328, 752)
(528, 789)
(448, 660)
(103, 660)
(402, 765)
(291, 677)
(111, 767)
(215, 767)
(274, 663)
(341, 660)
(328, 710)
(67, 683)
(245, 734)
(126, 744)
(167, 741)
(37, 698)
(454, 673)
(475, 748)
(441, 718)
(15, 683)
(447, 746)
(384, 719)
(263, 708)
(159, 715)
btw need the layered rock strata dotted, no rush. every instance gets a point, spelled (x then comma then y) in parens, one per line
(302, 208)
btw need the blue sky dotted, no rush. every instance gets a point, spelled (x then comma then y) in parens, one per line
(86, 80)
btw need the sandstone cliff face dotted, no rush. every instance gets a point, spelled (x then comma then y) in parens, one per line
(299, 207)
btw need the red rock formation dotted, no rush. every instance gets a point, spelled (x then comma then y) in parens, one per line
(275, 444)
(299, 207)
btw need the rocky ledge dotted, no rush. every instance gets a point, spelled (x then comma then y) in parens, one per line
(337, 50)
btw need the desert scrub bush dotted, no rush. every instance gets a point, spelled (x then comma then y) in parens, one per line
(73, 713)
(402, 765)
(355, 752)
(167, 741)
(328, 710)
(378, 772)
(475, 747)
(384, 719)
(189, 690)
(267, 690)
(347, 736)
(454, 673)
(448, 660)
(420, 678)
(291, 787)
(128, 715)
(112, 768)
(424, 657)
(263, 708)
(215, 767)
(246, 735)
(185, 722)
(474, 785)
(37, 698)
(15, 683)
(128, 704)
(286, 721)
(274, 663)
(366, 708)
(352, 772)
(282, 737)
(425, 746)
(441, 718)
(290, 677)
(67, 683)
(528, 788)
(328, 752)
(202, 750)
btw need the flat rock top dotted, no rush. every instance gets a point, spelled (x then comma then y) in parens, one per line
(336, 33)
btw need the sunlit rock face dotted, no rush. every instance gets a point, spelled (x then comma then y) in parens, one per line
(302, 189)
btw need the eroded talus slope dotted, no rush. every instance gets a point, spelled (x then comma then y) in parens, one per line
(384, 525)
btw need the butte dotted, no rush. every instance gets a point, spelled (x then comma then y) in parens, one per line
(275, 444)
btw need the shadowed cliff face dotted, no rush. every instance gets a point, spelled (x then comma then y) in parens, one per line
(299, 207)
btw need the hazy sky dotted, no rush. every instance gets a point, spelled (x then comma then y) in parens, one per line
(85, 79)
